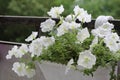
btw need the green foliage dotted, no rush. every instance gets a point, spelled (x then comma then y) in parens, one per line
(36, 7)
(40, 7)
(104, 58)
(4, 7)
(64, 48)
(27, 7)
(101, 7)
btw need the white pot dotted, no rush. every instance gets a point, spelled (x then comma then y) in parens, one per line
(53, 71)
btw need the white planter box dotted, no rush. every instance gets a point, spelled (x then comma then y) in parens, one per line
(53, 71)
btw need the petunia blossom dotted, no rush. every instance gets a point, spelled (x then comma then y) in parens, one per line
(36, 47)
(19, 68)
(12, 52)
(81, 14)
(47, 41)
(86, 59)
(47, 25)
(82, 35)
(31, 37)
(56, 11)
(63, 28)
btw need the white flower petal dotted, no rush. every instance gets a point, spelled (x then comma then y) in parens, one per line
(83, 34)
(47, 41)
(70, 18)
(81, 14)
(47, 25)
(36, 47)
(84, 17)
(63, 28)
(111, 42)
(74, 25)
(101, 20)
(12, 52)
(56, 11)
(86, 59)
(100, 32)
(32, 36)
(23, 49)
(19, 68)
(77, 10)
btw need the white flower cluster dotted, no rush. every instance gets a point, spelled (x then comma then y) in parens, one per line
(39, 44)
(111, 39)
(17, 52)
(22, 70)
(66, 25)
(35, 48)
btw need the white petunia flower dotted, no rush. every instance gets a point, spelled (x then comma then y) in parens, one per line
(103, 30)
(74, 25)
(23, 49)
(84, 17)
(47, 25)
(69, 64)
(78, 11)
(12, 52)
(56, 11)
(112, 45)
(69, 18)
(114, 36)
(63, 28)
(36, 47)
(17, 52)
(32, 36)
(101, 20)
(86, 59)
(83, 34)
(19, 68)
(29, 72)
(111, 42)
(22, 70)
(47, 41)
(108, 26)
(81, 14)
(100, 32)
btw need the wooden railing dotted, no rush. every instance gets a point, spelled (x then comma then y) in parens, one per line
(35, 21)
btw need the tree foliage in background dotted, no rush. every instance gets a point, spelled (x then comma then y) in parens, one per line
(40, 7)
(4, 6)
(101, 7)
(36, 7)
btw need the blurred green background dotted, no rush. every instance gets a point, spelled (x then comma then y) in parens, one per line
(40, 7)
